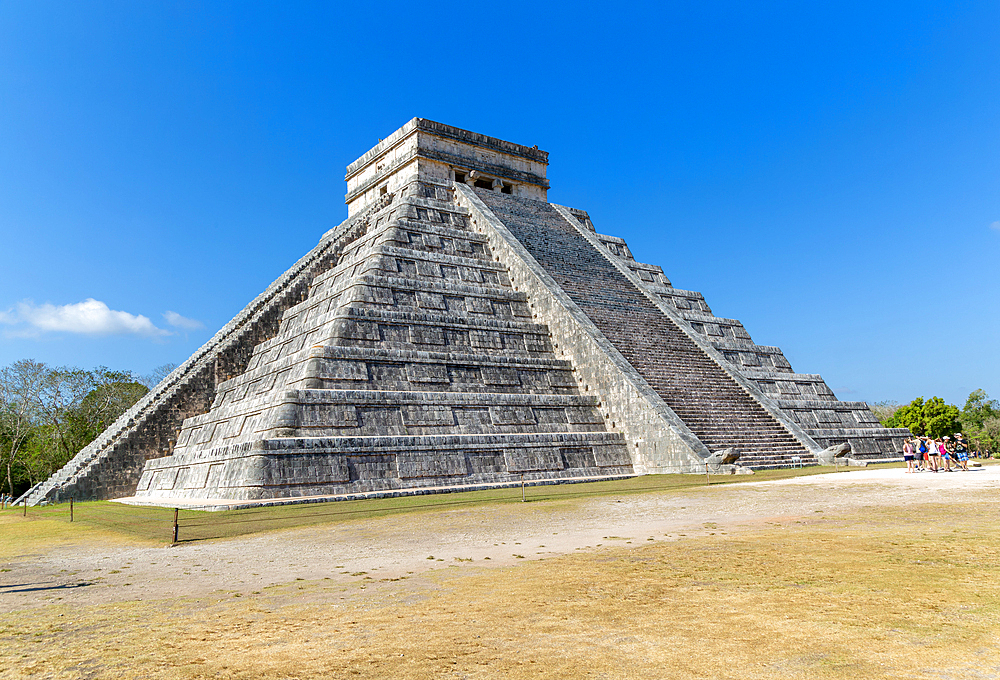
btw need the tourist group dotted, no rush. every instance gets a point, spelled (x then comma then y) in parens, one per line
(924, 454)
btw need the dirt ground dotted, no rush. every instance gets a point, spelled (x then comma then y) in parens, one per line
(858, 574)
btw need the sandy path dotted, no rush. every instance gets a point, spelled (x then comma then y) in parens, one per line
(395, 546)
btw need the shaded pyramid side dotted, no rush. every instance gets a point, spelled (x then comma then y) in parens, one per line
(411, 364)
(112, 464)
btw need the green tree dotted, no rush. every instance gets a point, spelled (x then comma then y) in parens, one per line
(48, 414)
(981, 421)
(932, 417)
(114, 392)
(20, 385)
(978, 409)
(988, 439)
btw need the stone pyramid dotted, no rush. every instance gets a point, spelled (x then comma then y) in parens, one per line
(458, 331)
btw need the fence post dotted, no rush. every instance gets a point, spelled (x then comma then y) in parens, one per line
(522, 488)
(25, 507)
(707, 476)
(175, 525)
(70, 508)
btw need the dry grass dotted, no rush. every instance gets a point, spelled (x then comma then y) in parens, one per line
(19, 537)
(905, 593)
(153, 525)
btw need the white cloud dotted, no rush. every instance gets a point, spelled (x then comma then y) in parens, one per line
(90, 317)
(178, 321)
(995, 226)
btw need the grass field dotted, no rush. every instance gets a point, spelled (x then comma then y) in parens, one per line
(904, 592)
(125, 523)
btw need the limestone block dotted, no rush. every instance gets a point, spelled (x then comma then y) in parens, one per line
(383, 420)
(578, 457)
(428, 269)
(512, 415)
(426, 414)
(479, 305)
(166, 479)
(483, 339)
(533, 459)
(391, 334)
(536, 381)
(495, 375)
(197, 477)
(405, 298)
(374, 467)
(337, 369)
(549, 416)
(457, 338)
(486, 462)
(473, 419)
(427, 335)
(455, 305)
(427, 373)
(431, 464)
(611, 456)
(333, 415)
(357, 330)
(584, 415)
(428, 300)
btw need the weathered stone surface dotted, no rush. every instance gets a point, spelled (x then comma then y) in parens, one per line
(724, 457)
(459, 331)
(829, 455)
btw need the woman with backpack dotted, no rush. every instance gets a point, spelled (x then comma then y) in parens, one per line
(922, 454)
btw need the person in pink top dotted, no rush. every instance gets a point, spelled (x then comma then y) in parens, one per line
(908, 454)
(939, 453)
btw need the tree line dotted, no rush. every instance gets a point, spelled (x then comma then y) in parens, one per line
(47, 414)
(978, 420)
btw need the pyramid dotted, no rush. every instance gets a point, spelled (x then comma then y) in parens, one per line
(458, 331)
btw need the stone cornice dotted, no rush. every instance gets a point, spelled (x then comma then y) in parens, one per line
(488, 169)
(448, 132)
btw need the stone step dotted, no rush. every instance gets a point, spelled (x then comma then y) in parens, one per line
(314, 412)
(301, 466)
(380, 368)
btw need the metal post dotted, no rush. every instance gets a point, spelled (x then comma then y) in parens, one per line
(70, 508)
(522, 488)
(708, 478)
(175, 525)
(25, 507)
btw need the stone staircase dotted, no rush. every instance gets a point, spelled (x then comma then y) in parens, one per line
(712, 405)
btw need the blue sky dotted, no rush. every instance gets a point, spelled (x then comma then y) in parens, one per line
(829, 173)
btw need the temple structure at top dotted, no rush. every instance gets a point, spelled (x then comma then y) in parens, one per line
(432, 153)
(459, 331)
